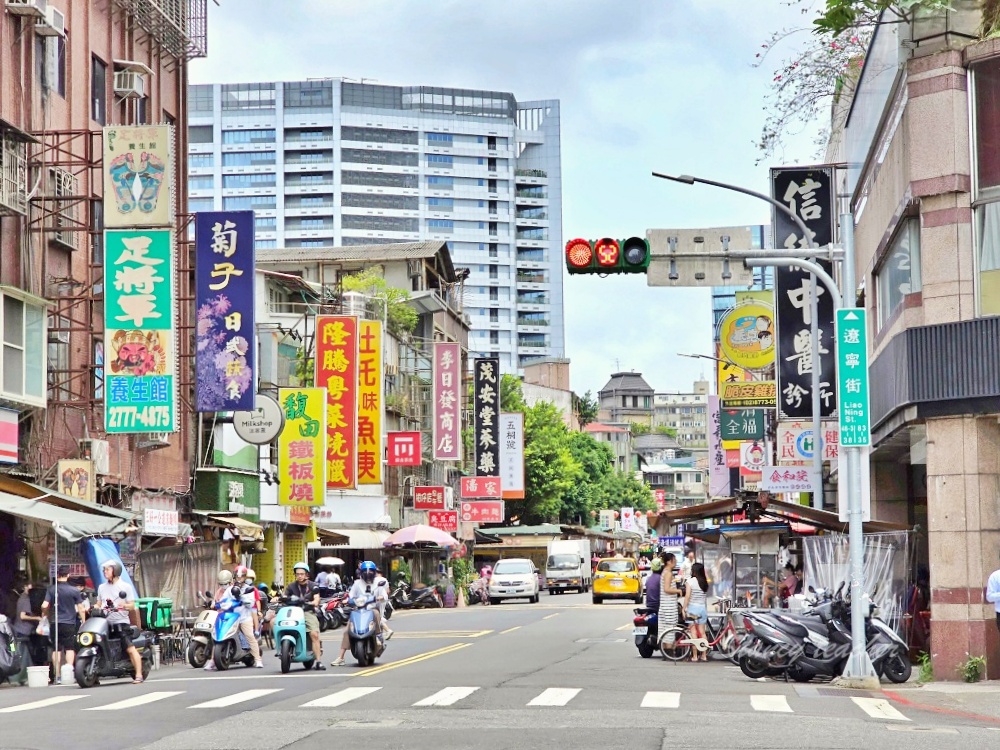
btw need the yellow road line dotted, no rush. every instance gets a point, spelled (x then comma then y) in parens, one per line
(625, 627)
(442, 633)
(510, 630)
(411, 660)
(549, 617)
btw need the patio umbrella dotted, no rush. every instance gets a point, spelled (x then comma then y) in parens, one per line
(420, 535)
(329, 561)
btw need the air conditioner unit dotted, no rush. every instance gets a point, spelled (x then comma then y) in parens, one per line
(54, 23)
(153, 440)
(34, 8)
(99, 452)
(129, 84)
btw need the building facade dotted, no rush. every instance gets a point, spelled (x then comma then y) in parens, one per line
(336, 163)
(625, 398)
(686, 414)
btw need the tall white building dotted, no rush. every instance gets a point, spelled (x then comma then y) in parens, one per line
(331, 162)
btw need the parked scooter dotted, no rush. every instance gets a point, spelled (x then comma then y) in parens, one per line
(99, 651)
(199, 649)
(645, 631)
(290, 638)
(478, 593)
(363, 634)
(405, 598)
(230, 645)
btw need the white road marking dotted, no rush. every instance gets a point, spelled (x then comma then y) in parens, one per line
(139, 700)
(510, 630)
(41, 704)
(231, 700)
(654, 699)
(447, 697)
(341, 697)
(554, 697)
(879, 708)
(549, 617)
(774, 703)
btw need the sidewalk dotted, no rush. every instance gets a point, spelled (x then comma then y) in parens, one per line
(977, 700)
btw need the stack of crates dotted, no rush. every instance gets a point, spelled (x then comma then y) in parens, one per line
(155, 613)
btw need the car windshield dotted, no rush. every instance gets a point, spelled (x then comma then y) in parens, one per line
(563, 562)
(511, 568)
(616, 566)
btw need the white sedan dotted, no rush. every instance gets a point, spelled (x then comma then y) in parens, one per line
(514, 578)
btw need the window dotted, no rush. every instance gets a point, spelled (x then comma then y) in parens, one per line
(437, 182)
(200, 98)
(265, 244)
(495, 338)
(313, 200)
(247, 96)
(265, 224)
(378, 135)
(391, 158)
(494, 294)
(22, 376)
(200, 204)
(248, 136)
(142, 111)
(986, 90)
(380, 179)
(379, 200)
(380, 223)
(899, 272)
(248, 159)
(493, 250)
(440, 139)
(311, 179)
(308, 94)
(494, 315)
(199, 161)
(494, 272)
(440, 161)
(249, 202)
(440, 225)
(99, 90)
(312, 223)
(261, 180)
(200, 134)
(206, 182)
(440, 204)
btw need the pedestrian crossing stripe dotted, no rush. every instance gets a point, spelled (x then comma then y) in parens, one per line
(139, 700)
(341, 697)
(232, 700)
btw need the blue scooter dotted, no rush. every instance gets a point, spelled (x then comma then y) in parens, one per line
(290, 638)
(230, 644)
(366, 641)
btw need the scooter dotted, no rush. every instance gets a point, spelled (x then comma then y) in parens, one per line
(99, 651)
(644, 629)
(363, 633)
(230, 644)
(290, 638)
(199, 649)
(405, 598)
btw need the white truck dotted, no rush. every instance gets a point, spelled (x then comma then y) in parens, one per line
(567, 565)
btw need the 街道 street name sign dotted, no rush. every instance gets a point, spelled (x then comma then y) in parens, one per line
(852, 377)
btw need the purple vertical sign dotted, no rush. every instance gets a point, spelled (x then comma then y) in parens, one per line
(226, 358)
(447, 407)
(718, 471)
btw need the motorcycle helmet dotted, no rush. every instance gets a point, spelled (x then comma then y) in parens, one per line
(656, 565)
(367, 570)
(114, 565)
(251, 576)
(240, 571)
(225, 578)
(300, 566)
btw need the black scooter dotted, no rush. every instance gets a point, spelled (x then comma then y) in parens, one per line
(99, 651)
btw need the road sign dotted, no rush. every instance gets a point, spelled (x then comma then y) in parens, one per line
(698, 257)
(852, 377)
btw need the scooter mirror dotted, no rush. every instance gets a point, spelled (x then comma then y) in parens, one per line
(383, 583)
(812, 590)
(122, 595)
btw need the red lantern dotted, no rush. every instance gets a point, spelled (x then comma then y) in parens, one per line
(617, 514)
(593, 514)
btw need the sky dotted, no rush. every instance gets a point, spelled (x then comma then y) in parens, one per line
(656, 85)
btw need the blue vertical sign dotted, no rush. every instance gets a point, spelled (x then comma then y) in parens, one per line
(225, 331)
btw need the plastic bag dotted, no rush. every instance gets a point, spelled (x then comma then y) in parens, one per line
(43, 627)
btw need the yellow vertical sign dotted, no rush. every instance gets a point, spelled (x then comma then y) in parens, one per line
(370, 402)
(302, 447)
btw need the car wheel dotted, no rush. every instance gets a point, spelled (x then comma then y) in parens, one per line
(638, 599)
(551, 592)
(494, 600)
(596, 600)
(534, 599)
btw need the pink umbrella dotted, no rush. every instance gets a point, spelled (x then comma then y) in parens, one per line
(420, 535)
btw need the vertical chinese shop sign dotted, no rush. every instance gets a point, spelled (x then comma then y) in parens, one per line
(139, 332)
(302, 447)
(486, 413)
(337, 371)
(224, 303)
(447, 443)
(370, 403)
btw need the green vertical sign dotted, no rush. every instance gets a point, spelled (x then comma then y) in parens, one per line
(852, 377)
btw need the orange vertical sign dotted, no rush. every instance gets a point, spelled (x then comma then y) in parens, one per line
(370, 402)
(337, 371)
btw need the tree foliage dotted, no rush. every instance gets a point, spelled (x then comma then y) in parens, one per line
(400, 317)
(585, 407)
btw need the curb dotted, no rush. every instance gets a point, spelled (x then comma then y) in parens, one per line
(897, 698)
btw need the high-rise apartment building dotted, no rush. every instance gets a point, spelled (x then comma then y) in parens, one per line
(331, 162)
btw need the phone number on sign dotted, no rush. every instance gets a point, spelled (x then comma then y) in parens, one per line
(132, 416)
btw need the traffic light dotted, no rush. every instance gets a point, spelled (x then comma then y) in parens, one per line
(607, 255)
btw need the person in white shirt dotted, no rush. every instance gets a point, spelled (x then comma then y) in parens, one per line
(993, 593)
(109, 595)
(366, 584)
(686, 564)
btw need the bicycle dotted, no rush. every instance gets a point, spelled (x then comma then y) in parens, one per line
(677, 644)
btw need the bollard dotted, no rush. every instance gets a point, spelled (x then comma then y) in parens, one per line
(156, 656)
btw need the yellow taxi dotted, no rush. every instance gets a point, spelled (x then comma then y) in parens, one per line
(617, 578)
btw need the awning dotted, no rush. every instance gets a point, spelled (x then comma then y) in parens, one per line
(332, 538)
(20, 488)
(359, 538)
(249, 531)
(71, 525)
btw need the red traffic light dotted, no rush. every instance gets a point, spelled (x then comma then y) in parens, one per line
(607, 251)
(579, 254)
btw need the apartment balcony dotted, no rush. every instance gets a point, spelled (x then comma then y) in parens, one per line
(324, 209)
(312, 144)
(532, 278)
(309, 188)
(531, 176)
(309, 233)
(307, 167)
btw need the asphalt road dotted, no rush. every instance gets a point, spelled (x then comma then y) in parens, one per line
(562, 672)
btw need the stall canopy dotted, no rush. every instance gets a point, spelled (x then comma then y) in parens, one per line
(358, 538)
(13, 486)
(71, 525)
(332, 538)
(249, 531)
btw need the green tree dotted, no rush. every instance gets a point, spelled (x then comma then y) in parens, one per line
(400, 317)
(639, 428)
(511, 394)
(620, 489)
(585, 407)
(551, 472)
(596, 460)
(664, 430)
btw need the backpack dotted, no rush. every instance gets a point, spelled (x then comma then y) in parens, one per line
(10, 658)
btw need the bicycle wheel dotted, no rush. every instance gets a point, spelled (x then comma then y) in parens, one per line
(671, 646)
(728, 647)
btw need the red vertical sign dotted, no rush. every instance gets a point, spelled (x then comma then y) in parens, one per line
(337, 370)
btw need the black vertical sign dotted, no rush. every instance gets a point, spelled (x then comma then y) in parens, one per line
(486, 416)
(809, 193)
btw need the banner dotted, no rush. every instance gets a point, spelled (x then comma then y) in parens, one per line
(225, 330)
(795, 442)
(481, 487)
(428, 498)
(302, 447)
(140, 392)
(485, 411)
(628, 519)
(445, 520)
(9, 439)
(447, 404)
(718, 469)
(138, 176)
(370, 403)
(660, 496)
(404, 449)
(76, 478)
(746, 335)
(753, 458)
(488, 511)
(785, 479)
(337, 371)
(755, 393)
(512, 455)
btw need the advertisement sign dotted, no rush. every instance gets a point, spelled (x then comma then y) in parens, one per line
(76, 478)
(302, 447)
(795, 443)
(746, 335)
(138, 176)
(785, 479)
(753, 457)
(485, 412)
(628, 519)
(718, 467)
(660, 496)
(447, 405)
(483, 511)
(370, 402)
(852, 377)
(756, 393)
(159, 515)
(606, 518)
(337, 371)
(404, 449)
(741, 424)
(9, 436)
(512, 455)
(139, 294)
(225, 361)
(481, 487)
(445, 520)
(428, 498)
(263, 424)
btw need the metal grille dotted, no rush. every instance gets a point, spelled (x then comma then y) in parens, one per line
(13, 177)
(181, 26)
(64, 219)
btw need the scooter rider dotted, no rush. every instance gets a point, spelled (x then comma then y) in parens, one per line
(248, 614)
(364, 585)
(306, 590)
(110, 591)
(224, 589)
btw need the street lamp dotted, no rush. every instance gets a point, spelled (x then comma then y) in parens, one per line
(717, 359)
(687, 179)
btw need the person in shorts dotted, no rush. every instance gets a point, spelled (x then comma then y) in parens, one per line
(109, 596)
(307, 591)
(64, 605)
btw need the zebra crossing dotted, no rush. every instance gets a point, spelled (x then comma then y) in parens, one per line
(551, 697)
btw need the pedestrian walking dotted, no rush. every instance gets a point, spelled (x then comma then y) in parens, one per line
(25, 622)
(669, 593)
(69, 606)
